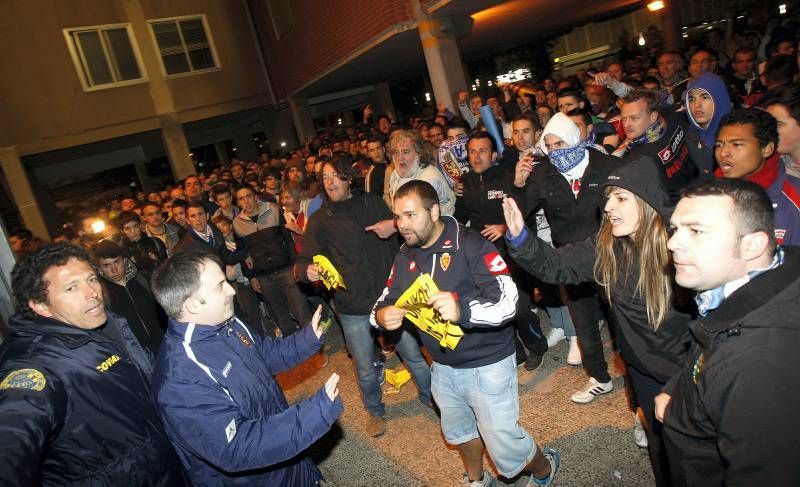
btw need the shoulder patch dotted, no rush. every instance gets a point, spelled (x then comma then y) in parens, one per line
(30, 379)
(495, 264)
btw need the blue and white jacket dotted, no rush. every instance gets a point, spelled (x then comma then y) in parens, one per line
(225, 413)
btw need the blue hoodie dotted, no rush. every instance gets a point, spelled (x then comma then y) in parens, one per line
(714, 86)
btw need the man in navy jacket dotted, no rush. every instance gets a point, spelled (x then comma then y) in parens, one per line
(75, 405)
(214, 388)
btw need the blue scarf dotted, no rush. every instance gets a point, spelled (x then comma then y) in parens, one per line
(566, 159)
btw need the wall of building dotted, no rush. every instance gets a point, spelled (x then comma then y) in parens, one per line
(323, 34)
(44, 106)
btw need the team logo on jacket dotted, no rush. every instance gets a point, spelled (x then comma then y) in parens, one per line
(444, 261)
(30, 379)
(495, 264)
(495, 194)
(448, 244)
(780, 234)
(412, 266)
(246, 341)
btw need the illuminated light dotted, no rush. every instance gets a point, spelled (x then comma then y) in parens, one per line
(515, 75)
(283, 144)
(641, 39)
(235, 149)
(782, 9)
(191, 154)
(474, 88)
(740, 17)
(556, 59)
(339, 121)
(489, 83)
(655, 5)
(685, 34)
(98, 226)
(477, 82)
(427, 97)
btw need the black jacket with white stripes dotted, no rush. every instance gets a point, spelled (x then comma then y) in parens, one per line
(466, 264)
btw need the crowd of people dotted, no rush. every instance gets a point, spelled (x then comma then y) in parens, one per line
(657, 195)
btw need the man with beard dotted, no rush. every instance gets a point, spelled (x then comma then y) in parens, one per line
(475, 382)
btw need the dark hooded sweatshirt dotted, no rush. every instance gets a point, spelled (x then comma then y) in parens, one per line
(656, 353)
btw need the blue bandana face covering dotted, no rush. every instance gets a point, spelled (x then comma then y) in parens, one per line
(566, 159)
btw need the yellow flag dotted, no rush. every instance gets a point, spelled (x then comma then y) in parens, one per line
(415, 301)
(328, 274)
(397, 377)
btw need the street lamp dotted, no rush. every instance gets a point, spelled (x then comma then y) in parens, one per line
(655, 5)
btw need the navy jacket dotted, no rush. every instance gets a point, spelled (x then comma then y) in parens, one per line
(75, 408)
(464, 263)
(225, 413)
(732, 419)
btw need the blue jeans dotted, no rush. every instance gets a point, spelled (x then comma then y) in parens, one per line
(559, 318)
(360, 338)
(484, 402)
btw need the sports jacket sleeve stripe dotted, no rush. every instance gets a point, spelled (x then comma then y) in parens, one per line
(496, 302)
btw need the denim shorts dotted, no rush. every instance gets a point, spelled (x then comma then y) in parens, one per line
(484, 402)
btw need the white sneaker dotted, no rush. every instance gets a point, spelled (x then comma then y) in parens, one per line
(554, 336)
(639, 436)
(593, 389)
(574, 355)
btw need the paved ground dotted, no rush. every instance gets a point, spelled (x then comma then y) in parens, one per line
(595, 440)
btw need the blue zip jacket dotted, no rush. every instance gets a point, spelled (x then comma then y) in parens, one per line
(225, 413)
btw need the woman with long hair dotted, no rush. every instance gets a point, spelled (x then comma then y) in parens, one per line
(629, 260)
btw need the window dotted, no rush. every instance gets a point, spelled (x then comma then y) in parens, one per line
(104, 56)
(282, 20)
(184, 45)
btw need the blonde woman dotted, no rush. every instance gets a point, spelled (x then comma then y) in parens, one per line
(629, 260)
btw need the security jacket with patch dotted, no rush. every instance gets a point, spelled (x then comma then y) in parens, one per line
(75, 408)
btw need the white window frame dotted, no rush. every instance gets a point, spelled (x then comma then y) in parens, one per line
(211, 45)
(76, 53)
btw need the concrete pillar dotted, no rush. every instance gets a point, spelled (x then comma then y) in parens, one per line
(144, 178)
(222, 153)
(22, 192)
(246, 149)
(384, 97)
(670, 25)
(441, 56)
(175, 145)
(303, 123)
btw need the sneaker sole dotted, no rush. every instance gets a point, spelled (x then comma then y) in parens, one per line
(594, 393)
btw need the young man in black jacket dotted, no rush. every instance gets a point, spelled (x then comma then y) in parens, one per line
(569, 189)
(346, 231)
(481, 206)
(728, 415)
(127, 292)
